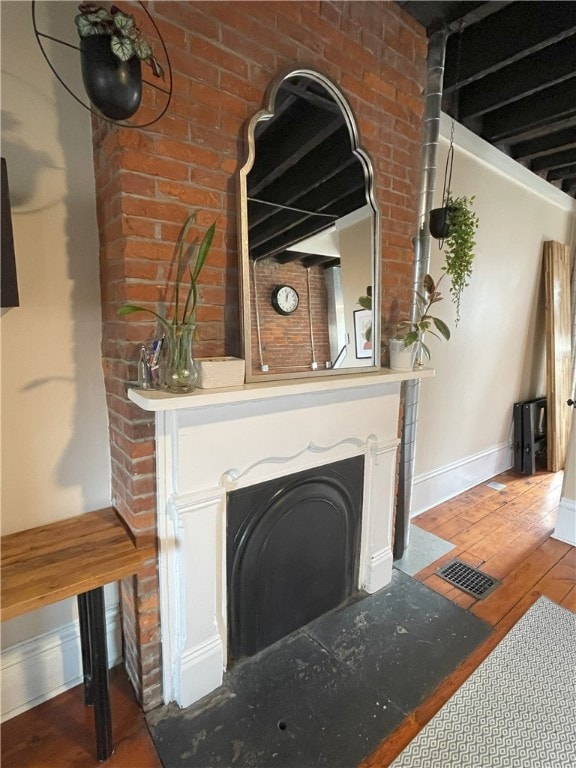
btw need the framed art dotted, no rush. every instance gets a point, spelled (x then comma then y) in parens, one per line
(363, 332)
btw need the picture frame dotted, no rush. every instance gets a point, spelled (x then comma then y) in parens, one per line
(362, 324)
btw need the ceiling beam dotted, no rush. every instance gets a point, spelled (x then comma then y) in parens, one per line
(525, 77)
(518, 30)
(556, 160)
(565, 172)
(543, 145)
(547, 108)
(435, 15)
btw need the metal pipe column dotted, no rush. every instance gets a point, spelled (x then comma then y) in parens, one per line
(411, 389)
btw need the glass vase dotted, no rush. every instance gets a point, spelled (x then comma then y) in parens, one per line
(179, 371)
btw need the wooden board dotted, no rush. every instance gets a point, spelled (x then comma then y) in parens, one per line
(43, 565)
(558, 365)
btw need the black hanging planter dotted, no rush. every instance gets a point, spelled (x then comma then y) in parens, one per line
(112, 85)
(439, 222)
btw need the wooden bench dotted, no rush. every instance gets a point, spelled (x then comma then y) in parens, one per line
(74, 557)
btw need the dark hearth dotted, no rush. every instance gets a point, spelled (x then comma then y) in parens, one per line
(328, 694)
(292, 552)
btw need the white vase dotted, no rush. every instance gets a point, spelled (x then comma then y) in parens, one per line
(401, 357)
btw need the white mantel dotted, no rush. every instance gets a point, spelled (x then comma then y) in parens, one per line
(211, 442)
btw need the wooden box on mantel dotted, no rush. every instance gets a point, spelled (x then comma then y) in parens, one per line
(219, 372)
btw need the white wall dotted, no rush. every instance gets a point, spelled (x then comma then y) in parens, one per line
(54, 449)
(496, 355)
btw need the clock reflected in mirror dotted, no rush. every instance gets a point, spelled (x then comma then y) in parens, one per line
(285, 299)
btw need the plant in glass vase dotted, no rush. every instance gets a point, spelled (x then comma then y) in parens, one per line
(179, 372)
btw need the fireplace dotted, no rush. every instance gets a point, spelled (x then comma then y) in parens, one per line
(212, 444)
(293, 547)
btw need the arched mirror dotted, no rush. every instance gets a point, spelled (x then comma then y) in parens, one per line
(309, 237)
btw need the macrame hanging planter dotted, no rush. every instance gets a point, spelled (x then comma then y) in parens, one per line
(439, 219)
(115, 88)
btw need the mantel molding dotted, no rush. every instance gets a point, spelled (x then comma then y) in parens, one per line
(159, 400)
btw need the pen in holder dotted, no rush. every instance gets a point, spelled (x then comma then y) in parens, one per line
(149, 365)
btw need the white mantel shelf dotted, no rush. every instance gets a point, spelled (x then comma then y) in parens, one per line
(158, 400)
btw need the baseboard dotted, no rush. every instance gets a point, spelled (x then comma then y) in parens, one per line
(44, 666)
(444, 483)
(566, 522)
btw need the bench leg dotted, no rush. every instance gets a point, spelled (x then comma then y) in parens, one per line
(85, 641)
(95, 666)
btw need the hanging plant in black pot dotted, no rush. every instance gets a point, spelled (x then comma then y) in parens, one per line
(112, 49)
(439, 222)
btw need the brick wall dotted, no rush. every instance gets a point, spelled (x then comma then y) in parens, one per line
(278, 332)
(223, 56)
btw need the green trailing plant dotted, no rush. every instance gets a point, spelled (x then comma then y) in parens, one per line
(425, 322)
(460, 244)
(184, 255)
(126, 39)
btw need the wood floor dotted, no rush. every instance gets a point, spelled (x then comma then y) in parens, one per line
(505, 532)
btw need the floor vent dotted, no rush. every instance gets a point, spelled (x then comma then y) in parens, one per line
(469, 579)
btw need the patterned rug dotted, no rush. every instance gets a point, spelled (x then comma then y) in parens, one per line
(517, 710)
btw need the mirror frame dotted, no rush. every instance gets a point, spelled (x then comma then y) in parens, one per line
(267, 112)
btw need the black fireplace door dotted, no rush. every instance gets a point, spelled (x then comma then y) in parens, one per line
(292, 552)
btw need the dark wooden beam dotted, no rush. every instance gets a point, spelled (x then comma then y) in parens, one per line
(542, 109)
(547, 67)
(313, 260)
(543, 145)
(450, 14)
(516, 31)
(565, 172)
(553, 161)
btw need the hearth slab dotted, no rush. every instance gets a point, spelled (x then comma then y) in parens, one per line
(403, 640)
(329, 693)
(291, 705)
(424, 548)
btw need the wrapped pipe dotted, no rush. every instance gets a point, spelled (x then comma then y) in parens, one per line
(411, 389)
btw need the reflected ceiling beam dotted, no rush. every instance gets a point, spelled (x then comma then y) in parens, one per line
(313, 260)
(293, 150)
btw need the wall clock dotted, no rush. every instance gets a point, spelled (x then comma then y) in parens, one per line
(285, 299)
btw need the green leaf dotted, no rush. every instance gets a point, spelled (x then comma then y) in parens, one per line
(123, 22)
(442, 327)
(85, 27)
(410, 338)
(122, 47)
(191, 298)
(129, 309)
(204, 248)
(142, 49)
(425, 349)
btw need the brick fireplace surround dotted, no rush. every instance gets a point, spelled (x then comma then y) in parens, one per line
(223, 56)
